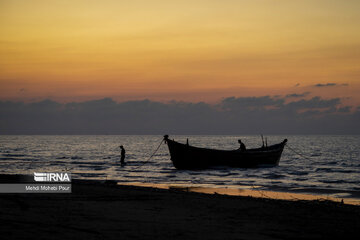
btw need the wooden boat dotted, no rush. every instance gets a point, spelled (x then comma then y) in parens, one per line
(185, 156)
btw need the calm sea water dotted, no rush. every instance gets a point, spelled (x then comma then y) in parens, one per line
(329, 164)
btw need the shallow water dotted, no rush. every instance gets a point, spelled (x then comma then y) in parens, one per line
(327, 164)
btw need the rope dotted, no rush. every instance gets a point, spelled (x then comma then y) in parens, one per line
(301, 155)
(150, 156)
(71, 168)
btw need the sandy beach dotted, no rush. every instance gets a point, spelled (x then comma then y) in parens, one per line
(105, 210)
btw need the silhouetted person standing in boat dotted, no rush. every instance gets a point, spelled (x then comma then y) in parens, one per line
(242, 146)
(122, 159)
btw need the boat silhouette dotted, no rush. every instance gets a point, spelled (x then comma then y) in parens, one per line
(184, 156)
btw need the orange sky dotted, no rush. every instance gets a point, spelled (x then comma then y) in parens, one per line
(183, 50)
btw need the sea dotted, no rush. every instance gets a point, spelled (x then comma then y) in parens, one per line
(324, 164)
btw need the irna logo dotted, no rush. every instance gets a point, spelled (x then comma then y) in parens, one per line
(52, 177)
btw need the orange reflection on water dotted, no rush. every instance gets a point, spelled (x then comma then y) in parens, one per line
(247, 192)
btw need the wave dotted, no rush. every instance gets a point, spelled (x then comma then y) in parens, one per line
(8, 158)
(13, 155)
(326, 168)
(299, 173)
(274, 176)
(333, 181)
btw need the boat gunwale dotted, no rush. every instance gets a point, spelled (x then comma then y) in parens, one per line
(275, 148)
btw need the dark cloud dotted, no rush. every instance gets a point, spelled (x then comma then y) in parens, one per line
(315, 102)
(330, 85)
(233, 115)
(297, 95)
(325, 85)
(345, 109)
(251, 103)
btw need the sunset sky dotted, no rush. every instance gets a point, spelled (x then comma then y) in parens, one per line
(199, 50)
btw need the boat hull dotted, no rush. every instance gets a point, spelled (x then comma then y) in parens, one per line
(184, 156)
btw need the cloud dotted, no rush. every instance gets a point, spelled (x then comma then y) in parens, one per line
(315, 102)
(297, 95)
(330, 84)
(233, 115)
(251, 102)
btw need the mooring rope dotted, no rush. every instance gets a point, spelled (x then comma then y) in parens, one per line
(69, 169)
(301, 155)
(148, 160)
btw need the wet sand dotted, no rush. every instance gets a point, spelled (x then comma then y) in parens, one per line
(257, 192)
(105, 210)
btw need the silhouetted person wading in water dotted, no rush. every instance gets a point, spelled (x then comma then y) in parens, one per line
(242, 146)
(122, 159)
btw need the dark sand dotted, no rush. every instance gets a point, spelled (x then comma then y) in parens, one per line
(107, 211)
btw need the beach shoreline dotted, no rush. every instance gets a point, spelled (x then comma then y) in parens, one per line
(275, 192)
(256, 192)
(106, 210)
